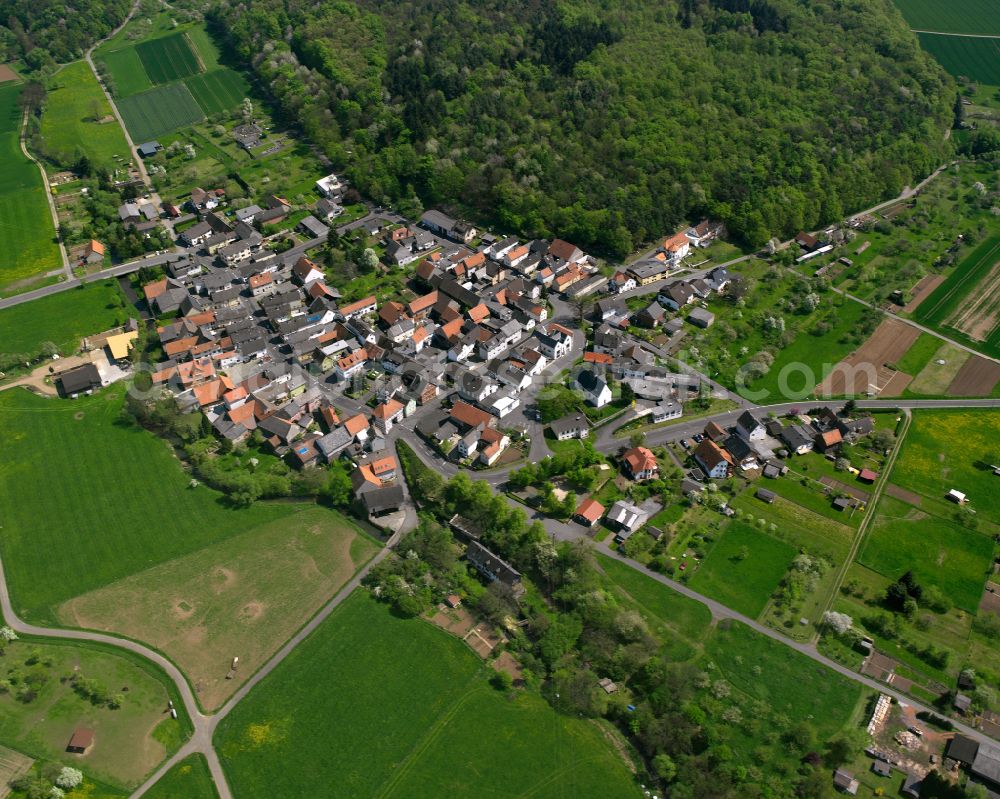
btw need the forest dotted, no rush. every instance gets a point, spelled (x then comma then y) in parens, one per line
(607, 123)
(44, 32)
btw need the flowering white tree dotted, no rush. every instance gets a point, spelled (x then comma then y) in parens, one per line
(7, 634)
(69, 777)
(840, 623)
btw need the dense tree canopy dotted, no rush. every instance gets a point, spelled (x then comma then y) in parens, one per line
(608, 123)
(42, 31)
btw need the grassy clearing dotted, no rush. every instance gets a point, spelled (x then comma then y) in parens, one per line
(27, 236)
(798, 526)
(919, 353)
(790, 683)
(168, 58)
(62, 318)
(950, 448)
(219, 90)
(127, 741)
(78, 119)
(808, 359)
(938, 551)
(962, 16)
(935, 377)
(687, 617)
(90, 500)
(189, 779)
(243, 596)
(159, 111)
(743, 569)
(812, 498)
(404, 706)
(975, 59)
(126, 72)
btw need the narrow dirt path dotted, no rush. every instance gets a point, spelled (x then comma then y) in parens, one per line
(66, 267)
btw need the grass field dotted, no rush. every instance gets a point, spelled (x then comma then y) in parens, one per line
(938, 551)
(947, 449)
(919, 353)
(408, 712)
(788, 682)
(687, 617)
(954, 292)
(159, 111)
(168, 58)
(808, 359)
(975, 59)
(126, 72)
(62, 318)
(78, 119)
(961, 16)
(243, 596)
(127, 742)
(934, 378)
(219, 90)
(798, 526)
(89, 500)
(743, 583)
(189, 779)
(27, 236)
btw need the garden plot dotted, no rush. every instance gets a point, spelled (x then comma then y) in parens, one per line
(978, 317)
(976, 378)
(867, 370)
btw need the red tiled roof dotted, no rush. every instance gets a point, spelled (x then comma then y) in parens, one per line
(590, 509)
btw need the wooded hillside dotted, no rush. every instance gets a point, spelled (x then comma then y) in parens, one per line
(608, 123)
(46, 31)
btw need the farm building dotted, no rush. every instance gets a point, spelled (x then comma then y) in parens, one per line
(956, 496)
(765, 495)
(962, 750)
(149, 148)
(80, 741)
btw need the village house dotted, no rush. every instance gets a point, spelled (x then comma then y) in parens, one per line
(595, 389)
(640, 464)
(575, 425)
(714, 461)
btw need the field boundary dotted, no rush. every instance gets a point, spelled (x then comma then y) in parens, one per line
(951, 33)
(48, 196)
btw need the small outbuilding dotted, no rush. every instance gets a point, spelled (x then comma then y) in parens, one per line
(701, 318)
(149, 149)
(882, 768)
(766, 496)
(845, 781)
(80, 741)
(962, 703)
(956, 496)
(867, 476)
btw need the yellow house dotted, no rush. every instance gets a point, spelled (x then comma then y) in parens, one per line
(120, 344)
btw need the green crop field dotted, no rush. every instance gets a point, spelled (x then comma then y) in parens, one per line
(204, 46)
(977, 59)
(189, 779)
(126, 71)
(952, 448)
(168, 58)
(88, 500)
(62, 318)
(78, 119)
(129, 742)
(955, 292)
(743, 583)
(27, 236)
(408, 711)
(219, 90)
(959, 16)
(939, 552)
(159, 111)
(788, 682)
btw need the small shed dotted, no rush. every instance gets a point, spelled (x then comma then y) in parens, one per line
(956, 496)
(882, 768)
(867, 476)
(701, 318)
(607, 685)
(844, 781)
(842, 503)
(765, 495)
(453, 600)
(912, 785)
(962, 703)
(81, 741)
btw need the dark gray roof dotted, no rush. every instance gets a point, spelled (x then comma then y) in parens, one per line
(383, 499)
(82, 378)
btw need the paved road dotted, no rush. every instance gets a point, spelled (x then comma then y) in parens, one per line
(720, 611)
